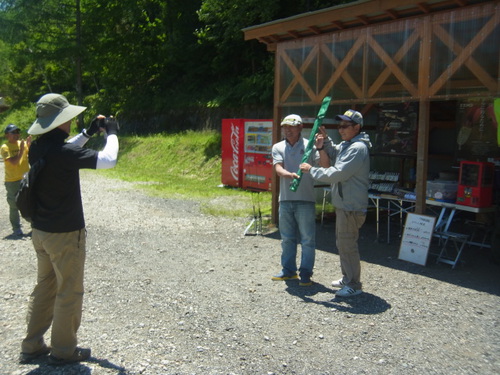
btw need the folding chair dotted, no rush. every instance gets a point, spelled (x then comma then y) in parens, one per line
(452, 246)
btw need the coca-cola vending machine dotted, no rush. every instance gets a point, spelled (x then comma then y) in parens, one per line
(232, 151)
(258, 161)
(246, 153)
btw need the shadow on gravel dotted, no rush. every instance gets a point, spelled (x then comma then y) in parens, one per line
(366, 303)
(477, 271)
(107, 364)
(77, 368)
(15, 237)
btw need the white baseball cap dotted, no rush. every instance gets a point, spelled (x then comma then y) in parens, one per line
(292, 120)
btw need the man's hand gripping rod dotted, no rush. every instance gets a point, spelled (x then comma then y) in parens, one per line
(294, 185)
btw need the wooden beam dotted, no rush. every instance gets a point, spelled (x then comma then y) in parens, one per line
(423, 7)
(464, 55)
(392, 13)
(328, 16)
(298, 77)
(294, 34)
(364, 20)
(395, 69)
(341, 69)
(315, 30)
(276, 135)
(385, 74)
(486, 79)
(339, 25)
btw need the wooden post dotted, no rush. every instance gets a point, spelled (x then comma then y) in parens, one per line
(423, 145)
(423, 117)
(275, 187)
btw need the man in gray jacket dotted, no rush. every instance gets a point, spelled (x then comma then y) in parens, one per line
(349, 178)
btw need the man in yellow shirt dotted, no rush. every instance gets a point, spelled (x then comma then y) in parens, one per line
(15, 156)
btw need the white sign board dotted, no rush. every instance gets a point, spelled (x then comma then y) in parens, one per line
(416, 238)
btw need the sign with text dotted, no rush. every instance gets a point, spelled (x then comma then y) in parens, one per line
(416, 238)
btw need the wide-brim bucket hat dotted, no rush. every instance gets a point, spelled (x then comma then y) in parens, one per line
(53, 110)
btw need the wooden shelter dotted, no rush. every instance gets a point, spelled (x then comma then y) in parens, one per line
(371, 53)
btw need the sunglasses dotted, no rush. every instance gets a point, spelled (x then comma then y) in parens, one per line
(344, 126)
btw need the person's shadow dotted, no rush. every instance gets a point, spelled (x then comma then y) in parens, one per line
(15, 237)
(78, 368)
(365, 303)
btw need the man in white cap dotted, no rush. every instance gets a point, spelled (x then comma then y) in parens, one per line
(15, 155)
(349, 176)
(59, 227)
(297, 211)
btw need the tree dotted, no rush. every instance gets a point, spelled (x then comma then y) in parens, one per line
(143, 58)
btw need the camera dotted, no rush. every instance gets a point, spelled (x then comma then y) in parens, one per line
(103, 122)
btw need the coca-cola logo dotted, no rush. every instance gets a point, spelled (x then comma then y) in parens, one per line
(235, 136)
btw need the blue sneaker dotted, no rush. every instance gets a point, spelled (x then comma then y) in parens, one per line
(283, 276)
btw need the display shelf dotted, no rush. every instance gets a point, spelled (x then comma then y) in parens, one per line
(383, 182)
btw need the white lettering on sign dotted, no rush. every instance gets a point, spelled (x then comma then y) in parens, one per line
(235, 136)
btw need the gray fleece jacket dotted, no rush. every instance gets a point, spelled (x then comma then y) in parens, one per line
(349, 173)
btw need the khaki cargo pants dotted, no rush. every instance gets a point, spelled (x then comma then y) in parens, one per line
(58, 295)
(347, 234)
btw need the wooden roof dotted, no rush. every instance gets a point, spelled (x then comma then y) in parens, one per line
(356, 14)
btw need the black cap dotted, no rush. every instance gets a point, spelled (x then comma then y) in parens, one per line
(11, 128)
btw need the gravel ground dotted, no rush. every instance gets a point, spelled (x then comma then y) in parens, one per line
(172, 291)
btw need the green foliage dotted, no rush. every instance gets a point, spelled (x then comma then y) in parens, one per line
(143, 59)
(22, 117)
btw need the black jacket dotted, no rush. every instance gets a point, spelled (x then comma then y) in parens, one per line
(57, 188)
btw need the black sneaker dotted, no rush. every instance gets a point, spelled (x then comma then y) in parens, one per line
(25, 358)
(79, 355)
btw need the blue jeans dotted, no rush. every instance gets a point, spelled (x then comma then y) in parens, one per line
(297, 224)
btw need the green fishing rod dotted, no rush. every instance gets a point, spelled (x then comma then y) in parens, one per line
(294, 185)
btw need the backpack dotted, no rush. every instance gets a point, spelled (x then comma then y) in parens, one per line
(25, 196)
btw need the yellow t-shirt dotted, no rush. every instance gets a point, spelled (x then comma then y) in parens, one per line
(14, 172)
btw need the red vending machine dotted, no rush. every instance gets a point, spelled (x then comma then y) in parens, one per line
(232, 152)
(258, 161)
(475, 184)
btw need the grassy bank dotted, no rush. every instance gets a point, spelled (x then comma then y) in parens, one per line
(185, 165)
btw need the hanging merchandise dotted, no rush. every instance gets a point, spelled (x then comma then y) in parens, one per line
(481, 120)
(477, 137)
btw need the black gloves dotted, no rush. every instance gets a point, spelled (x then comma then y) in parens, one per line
(111, 125)
(108, 123)
(93, 128)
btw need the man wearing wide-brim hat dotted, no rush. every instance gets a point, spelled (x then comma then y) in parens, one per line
(59, 228)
